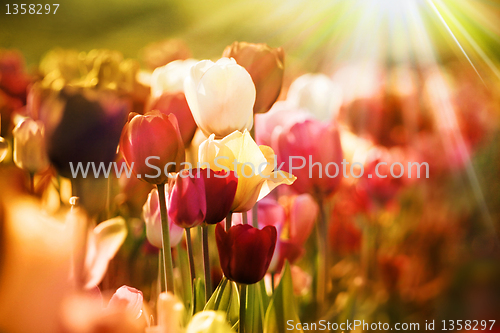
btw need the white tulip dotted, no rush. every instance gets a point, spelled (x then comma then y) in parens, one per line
(316, 93)
(29, 146)
(170, 78)
(221, 96)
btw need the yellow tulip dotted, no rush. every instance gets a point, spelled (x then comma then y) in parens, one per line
(253, 164)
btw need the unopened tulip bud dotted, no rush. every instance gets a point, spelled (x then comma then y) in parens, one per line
(170, 313)
(221, 96)
(152, 146)
(245, 252)
(209, 322)
(29, 146)
(265, 65)
(151, 215)
(187, 205)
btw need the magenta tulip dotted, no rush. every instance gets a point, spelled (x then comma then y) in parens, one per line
(187, 205)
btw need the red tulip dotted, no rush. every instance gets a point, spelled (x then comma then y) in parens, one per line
(152, 146)
(220, 189)
(265, 66)
(314, 146)
(187, 205)
(245, 252)
(175, 103)
(345, 236)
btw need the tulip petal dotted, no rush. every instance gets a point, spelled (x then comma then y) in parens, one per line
(127, 298)
(105, 241)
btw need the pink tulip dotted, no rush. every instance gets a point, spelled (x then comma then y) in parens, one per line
(187, 205)
(128, 299)
(281, 115)
(151, 215)
(314, 146)
(302, 215)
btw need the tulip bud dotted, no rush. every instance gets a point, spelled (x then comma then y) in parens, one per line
(128, 299)
(175, 103)
(187, 205)
(265, 65)
(221, 97)
(29, 146)
(220, 189)
(318, 146)
(209, 322)
(245, 252)
(316, 93)
(303, 213)
(151, 215)
(170, 313)
(150, 144)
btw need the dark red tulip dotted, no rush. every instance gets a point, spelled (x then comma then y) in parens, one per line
(245, 252)
(220, 189)
(265, 65)
(153, 139)
(176, 104)
(186, 199)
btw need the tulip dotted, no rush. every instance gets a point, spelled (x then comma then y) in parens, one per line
(245, 252)
(209, 322)
(253, 164)
(152, 141)
(265, 65)
(281, 115)
(318, 144)
(170, 313)
(316, 93)
(302, 215)
(221, 97)
(187, 205)
(170, 78)
(167, 95)
(128, 299)
(151, 215)
(176, 104)
(29, 146)
(87, 128)
(220, 189)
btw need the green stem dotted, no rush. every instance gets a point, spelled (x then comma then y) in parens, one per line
(166, 251)
(243, 303)
(272, 282)
(189, 244)
(161, 273)
(322, 257)
(229, 219)
(255, 215)
(206, 263)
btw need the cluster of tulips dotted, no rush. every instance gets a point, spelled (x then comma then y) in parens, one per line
(193, 133)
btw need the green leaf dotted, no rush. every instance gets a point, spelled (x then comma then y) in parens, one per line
(225, 298)
(282, 306)
(199, 295)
